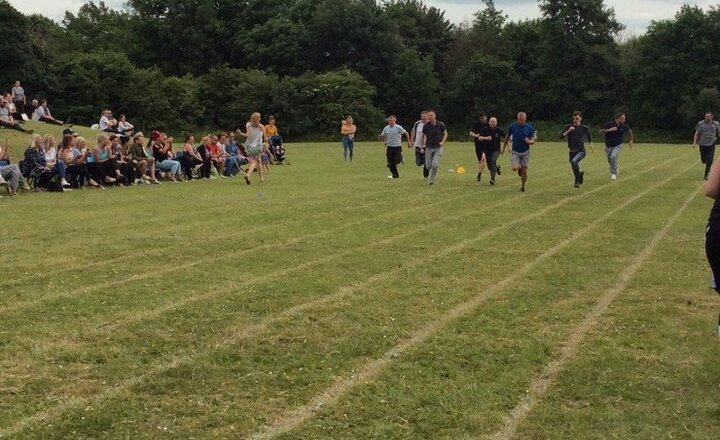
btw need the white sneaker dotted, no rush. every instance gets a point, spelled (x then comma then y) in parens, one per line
(65, 183)
(390, 177)
(613, 177)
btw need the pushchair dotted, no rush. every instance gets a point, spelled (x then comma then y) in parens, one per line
(277, 151)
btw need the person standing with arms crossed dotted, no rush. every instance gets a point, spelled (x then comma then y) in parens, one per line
(576, 135)
(434, 136)
(614, 132)
(522, 135)
(392, 135)
(417, 139)
(706, 135)
(348, 130)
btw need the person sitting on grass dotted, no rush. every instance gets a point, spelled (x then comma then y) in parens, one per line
(42, 114)
(217, 155)
(235, 159)
(189, 157)
(56, 165)
(143, 160)
(121, 152)
(107, 123)
(206, 155)
(161, 147)
(105, 160)
(7, 120)
(10, 178)
(255, 143)
(124, 127)
(74, 158)
(34, 165)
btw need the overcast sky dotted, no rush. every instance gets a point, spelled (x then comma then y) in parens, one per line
(635, 14)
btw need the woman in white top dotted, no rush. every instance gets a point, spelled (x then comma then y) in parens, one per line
(124, 127)
(51, 158)
(255, 144)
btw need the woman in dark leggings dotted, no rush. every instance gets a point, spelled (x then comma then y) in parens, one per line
(712, 232)
(204, 152)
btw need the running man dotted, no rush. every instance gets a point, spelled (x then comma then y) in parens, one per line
(523, 136)
(417, 139)
(490, 137)
(481, 123)
(706, 134)
(434, 136)
(577, 134)
(614, 132)
(392, 135)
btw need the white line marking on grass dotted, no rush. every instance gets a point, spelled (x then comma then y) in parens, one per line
(369, 371)
(249, 330)
(569, 349)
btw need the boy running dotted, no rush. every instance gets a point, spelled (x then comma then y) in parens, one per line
(417, 139)
(392, 135)
(576, 135)
(614, 132)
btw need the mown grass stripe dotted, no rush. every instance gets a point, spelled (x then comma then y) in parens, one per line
(568, 350)
(370, 370)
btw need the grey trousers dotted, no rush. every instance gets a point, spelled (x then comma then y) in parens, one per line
(432, 162)
(11, 173)
(612, 157)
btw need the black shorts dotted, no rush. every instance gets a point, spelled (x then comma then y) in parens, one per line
(488, 151)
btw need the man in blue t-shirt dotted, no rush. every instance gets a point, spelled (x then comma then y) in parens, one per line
(523, 136)
(614, 133)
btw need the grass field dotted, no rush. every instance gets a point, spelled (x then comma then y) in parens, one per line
(333, 303)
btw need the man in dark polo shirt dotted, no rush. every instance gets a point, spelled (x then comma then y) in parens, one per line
(481, 123)
(577, 134)
(614, 133)
(706, 135)
(434, 134)
(490, 138)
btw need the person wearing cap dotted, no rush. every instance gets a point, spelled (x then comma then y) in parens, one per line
(142, 159)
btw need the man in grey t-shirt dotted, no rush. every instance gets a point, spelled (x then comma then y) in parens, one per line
(706, 135)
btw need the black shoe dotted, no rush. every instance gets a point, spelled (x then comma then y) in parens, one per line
(492, 181)
(577, 185)
(581, 177)
(479, 177)
(498, 170)
(522, 189)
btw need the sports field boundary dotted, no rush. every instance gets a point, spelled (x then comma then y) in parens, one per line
(342, 292)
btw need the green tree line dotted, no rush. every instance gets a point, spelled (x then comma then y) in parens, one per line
(191, 65)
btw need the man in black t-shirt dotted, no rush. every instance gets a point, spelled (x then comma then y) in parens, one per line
(434, 136)
(577, 134)
(490, 137)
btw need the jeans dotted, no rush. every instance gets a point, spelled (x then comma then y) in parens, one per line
(348, 145)
(232, 164)
(432, 162)
(612, 157)
(707, 156)
(11, 174)
(492, 158)
(575, 158)
(59, 169)
(169, 165)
